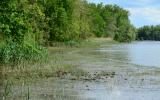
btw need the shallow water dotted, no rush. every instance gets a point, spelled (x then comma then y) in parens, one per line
(142, 53)
(135, 79)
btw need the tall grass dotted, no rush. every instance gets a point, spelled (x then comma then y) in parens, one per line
(7, 90)
(14, 54)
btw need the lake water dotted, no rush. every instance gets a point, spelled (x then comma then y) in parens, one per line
(145, 53)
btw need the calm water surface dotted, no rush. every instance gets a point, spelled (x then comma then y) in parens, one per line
(145, 53)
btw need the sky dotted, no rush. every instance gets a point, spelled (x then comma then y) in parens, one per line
(142, 12)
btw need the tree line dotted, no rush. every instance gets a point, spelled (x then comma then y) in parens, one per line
(149, 33)
(27, 26)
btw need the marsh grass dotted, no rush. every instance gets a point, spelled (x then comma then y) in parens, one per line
(26, 76)
(6, 91)
(61, 64)
(42, 72)
(55, 65)
(28, 94)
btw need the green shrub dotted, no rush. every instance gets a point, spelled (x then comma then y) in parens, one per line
(15, 54)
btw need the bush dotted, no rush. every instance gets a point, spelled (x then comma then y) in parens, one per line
(15, 54)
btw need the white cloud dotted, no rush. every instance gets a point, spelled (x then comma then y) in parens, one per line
(149, 13)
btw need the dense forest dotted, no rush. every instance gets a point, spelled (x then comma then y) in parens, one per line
(27, 27)
(149, 33)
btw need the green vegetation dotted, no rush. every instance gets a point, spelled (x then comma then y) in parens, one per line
(21, 32)
(149, 33)
(28, 27)
(111, 21)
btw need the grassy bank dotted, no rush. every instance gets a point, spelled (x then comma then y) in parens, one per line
(64, 62)
(55, 66)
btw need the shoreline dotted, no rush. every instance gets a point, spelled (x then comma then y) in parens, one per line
(88, 71)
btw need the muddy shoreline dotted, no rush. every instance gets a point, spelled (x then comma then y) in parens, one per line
(104, 79)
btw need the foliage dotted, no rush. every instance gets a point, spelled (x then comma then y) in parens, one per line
(19, 27)
(67, 20)
(28, 25)
(149, 33)
(15, 54)
(111, 21)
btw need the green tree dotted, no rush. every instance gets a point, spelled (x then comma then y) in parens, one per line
(149, 33)
(21, 30)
